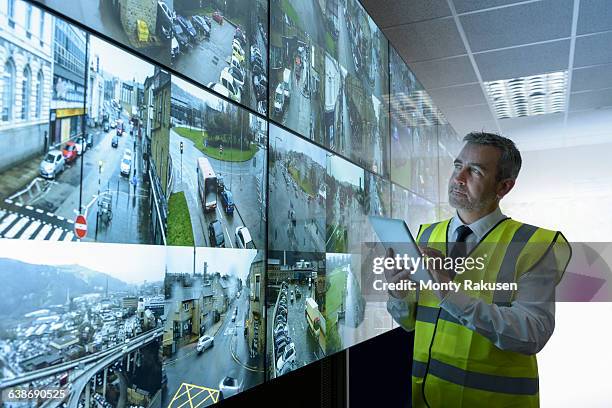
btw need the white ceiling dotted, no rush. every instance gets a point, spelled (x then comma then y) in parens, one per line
(453, 46)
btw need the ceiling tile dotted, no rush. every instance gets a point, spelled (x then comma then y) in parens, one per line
(593, 49)
(523, 61)
(594, 16)
(458, 96)
(470, 118)
(592, 78)
(590, 100)
(441, 73)
(464, 6)
(427, 40)
(391, 13)
(521, 24)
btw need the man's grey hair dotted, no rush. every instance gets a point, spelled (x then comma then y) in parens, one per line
(510, 159)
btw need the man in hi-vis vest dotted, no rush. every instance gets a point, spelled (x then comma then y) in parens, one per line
(477, 347)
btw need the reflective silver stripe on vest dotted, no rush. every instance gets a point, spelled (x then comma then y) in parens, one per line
(507, 268)
(429, 314)
(486, 382)
(419, 368)
(427, 233)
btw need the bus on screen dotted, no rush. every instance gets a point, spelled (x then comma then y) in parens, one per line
(207, 184)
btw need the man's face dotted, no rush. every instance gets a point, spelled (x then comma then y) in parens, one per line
(473, 184)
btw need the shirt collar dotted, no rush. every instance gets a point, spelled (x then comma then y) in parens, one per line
(479, 227)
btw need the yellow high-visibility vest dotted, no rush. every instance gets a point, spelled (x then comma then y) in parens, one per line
(456, 367)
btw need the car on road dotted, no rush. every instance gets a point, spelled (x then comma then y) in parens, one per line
(218, 17)
(220, 89)
(243, 238)
(70, 152)
(52, 164)
(201, 26)
(81, 145)
(215, 233)
(115, 141)
(288, 357)
(228, 201)
(205, 342)
(291, 297)
(298, 294)
(186, 25)
(106, 127)
(126, 165)
(113, 125)
(89, 140)
(229, 386)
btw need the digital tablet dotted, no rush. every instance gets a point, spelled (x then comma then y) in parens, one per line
(394, 233)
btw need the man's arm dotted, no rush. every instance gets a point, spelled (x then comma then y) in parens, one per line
(403, 311)
(526, 325)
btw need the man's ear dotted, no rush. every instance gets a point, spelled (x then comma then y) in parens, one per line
(504, 187)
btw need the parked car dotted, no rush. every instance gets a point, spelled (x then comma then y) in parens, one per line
(243, 238)
(201, 26)
(205, 342)
(186, 25)
(260, 84)
(81, 145)
(228, 201)
(215, 233)
(126, 165)
(238, 47)
(236, 54)
(227, 81)
(89, 140)
(220, 183)
(220, 89)
(262, 107)
(70, 152)
(229, 386)
(218, 17)
(115, 141)
(257, 67)
(239, 35)
(237, 75)
(181, 36)
(288, 357)
(52, 164)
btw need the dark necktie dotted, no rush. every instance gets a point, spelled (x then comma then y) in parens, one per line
(460, 247)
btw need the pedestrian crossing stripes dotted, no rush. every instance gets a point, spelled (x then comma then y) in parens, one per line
(18, 226)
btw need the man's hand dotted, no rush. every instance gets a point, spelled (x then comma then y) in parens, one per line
(438, 275)
(397, 275)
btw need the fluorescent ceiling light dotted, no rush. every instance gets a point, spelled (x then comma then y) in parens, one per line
(415, 109)
(528, 96)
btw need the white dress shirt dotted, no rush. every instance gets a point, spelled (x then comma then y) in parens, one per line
(525, 326)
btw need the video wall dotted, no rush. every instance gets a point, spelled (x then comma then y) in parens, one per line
(185, 191)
